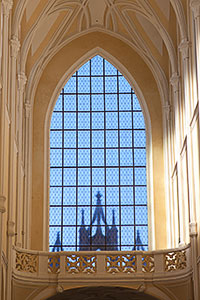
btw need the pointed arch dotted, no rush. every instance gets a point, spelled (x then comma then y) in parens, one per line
(133, 84)
(52, 79)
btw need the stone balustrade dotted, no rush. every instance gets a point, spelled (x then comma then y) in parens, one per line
(133, 265)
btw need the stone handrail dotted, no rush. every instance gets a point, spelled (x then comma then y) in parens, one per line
(100, 264)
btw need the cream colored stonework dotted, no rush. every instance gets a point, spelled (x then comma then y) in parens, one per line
(155, 44)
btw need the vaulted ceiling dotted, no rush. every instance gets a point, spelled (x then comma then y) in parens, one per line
(149, 26)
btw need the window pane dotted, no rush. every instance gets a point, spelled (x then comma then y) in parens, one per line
(84, 103)
(125, 102)
(69, 158)
(70, 121)
(70, 86)
(83, 176)
(98, 157)
(112, 139)
(70, 139)
(98, 120)
(97, 85)
(83, 196)
(56, 121)
(69, 196)
(111, 102)
(97, 102)
(69, 102)
(83, 121)
(112, 196)
(98, 139)
(84, 85)
(84, 139)
(70, 176)
(98, 163)
(111, 120)
(112, 158)
(111, 84)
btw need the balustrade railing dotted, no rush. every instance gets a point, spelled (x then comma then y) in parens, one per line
(40, 264)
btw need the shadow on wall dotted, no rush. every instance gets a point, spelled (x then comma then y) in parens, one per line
(102, 293)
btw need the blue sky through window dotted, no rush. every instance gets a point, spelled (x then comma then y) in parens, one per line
(98, 143)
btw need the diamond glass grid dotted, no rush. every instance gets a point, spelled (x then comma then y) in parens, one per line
(98, 143)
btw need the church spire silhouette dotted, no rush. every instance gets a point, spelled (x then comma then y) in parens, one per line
(57, 246)
(98, 241)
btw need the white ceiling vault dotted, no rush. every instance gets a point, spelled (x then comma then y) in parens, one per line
(149, 26)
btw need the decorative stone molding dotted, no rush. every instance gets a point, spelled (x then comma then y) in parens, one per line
(193, 229)
(27, 107)
(184, 48)
(7, 6)
(195, 6)
(11, 228)
(142, 288)
(26, 262)
(148, 265)
(175, 261)
(1, 83)
(59, 289)
(125, 263)
(15, 45)
(2, 204)
(168, 111)
(174, 80)
(81, 264)
(54, 264)
(22, 79)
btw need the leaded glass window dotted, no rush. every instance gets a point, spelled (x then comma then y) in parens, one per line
(98, 192)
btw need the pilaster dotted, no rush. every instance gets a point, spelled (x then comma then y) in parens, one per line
(193, 238)
(184, 48)
(2, 210)
(27, 196)
(6, 8)
(20, 195)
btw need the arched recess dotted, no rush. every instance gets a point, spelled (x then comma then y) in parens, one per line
(102, 292)
(54, 98)
(56, 73)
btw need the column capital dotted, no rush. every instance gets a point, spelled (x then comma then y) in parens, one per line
(21, 81)
(15, 45)
(27, 107)
(174, 80)
(2, 204)
(184, 48)
(7, 6)
(195, 6)
(11, 228)
(193, 229)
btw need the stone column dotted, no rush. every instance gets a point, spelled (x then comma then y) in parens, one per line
(6, 7)
(186, 108)
(176, 137)
(193, 238)
(2, 210)
(14, 45)
(20, 211)
(174, 81)
(11, 234)
(195, 6)
(27, 183)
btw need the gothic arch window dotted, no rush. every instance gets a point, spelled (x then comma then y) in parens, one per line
(98, 190)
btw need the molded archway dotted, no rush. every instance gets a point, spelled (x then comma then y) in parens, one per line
(54, 75)
(102, 293)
